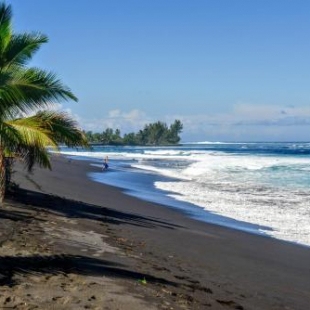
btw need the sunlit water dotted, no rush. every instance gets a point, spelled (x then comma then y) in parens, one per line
(266, 185)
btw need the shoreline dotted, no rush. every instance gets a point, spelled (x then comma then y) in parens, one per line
(189, 264)
(188, 209)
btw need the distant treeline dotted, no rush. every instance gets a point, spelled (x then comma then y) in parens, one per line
(152, 134)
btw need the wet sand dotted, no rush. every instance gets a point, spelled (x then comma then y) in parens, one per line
(70, 243)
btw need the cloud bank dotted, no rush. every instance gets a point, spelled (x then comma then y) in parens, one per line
(244, 122)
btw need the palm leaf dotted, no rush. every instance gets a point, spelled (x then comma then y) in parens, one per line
(62, 128)
(27, 139)
(21, 49)
(31, 131)
(26, 90)
(34, 155)
(5, 26)
(30, 136)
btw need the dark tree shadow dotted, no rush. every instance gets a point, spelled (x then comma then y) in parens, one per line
(23, 200)
(57, 264)
(78, 209)
(15, 215)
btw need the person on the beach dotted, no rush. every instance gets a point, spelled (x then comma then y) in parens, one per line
(105, 163)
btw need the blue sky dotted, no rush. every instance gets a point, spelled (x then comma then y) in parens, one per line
(229, 70)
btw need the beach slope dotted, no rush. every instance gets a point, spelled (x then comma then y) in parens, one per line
(70, 243)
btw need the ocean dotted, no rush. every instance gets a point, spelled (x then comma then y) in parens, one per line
(261, 188)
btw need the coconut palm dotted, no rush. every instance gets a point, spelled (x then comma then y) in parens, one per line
(23, 91)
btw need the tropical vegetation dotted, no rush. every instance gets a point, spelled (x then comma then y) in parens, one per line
(28, 125)
(157, 133)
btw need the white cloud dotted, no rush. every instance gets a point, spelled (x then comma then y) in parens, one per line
(114, 113)
(131, 121)
(244, 122)
(249, 122)
(263, 115)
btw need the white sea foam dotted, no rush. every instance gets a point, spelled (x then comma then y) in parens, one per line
(96, 155)
(287, 214)
(216, 142)
(240, 188)
(267, 190)
(166, 152)
(166, 172)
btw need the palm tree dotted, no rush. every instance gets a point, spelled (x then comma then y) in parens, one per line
(23, 91)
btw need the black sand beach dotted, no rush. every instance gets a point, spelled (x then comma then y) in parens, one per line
(186, 264)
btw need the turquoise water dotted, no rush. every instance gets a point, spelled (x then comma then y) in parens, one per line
(258, 187)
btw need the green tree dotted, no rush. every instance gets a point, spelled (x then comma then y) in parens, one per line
(23, 91)
(141, 136)
(157, 133)
(116, 138)
(89, 135)
(97, 137)
(130, 139)
(174, 130)
(107, 136)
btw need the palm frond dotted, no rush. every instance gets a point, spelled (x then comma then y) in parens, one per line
(62, 128)
(31, 132)
(10, 138)
(31, 150)
(27, 139)
(5, 26)
(21, 49)
(25, 90)
(34, 155)
(44, 85)
(30, 136)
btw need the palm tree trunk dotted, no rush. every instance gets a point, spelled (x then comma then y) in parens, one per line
(2, 177)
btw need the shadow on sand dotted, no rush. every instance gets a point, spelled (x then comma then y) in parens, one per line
(25, 200)
(79, 209)
(56, 264)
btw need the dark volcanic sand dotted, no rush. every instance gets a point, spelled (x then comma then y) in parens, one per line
(187, 264)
